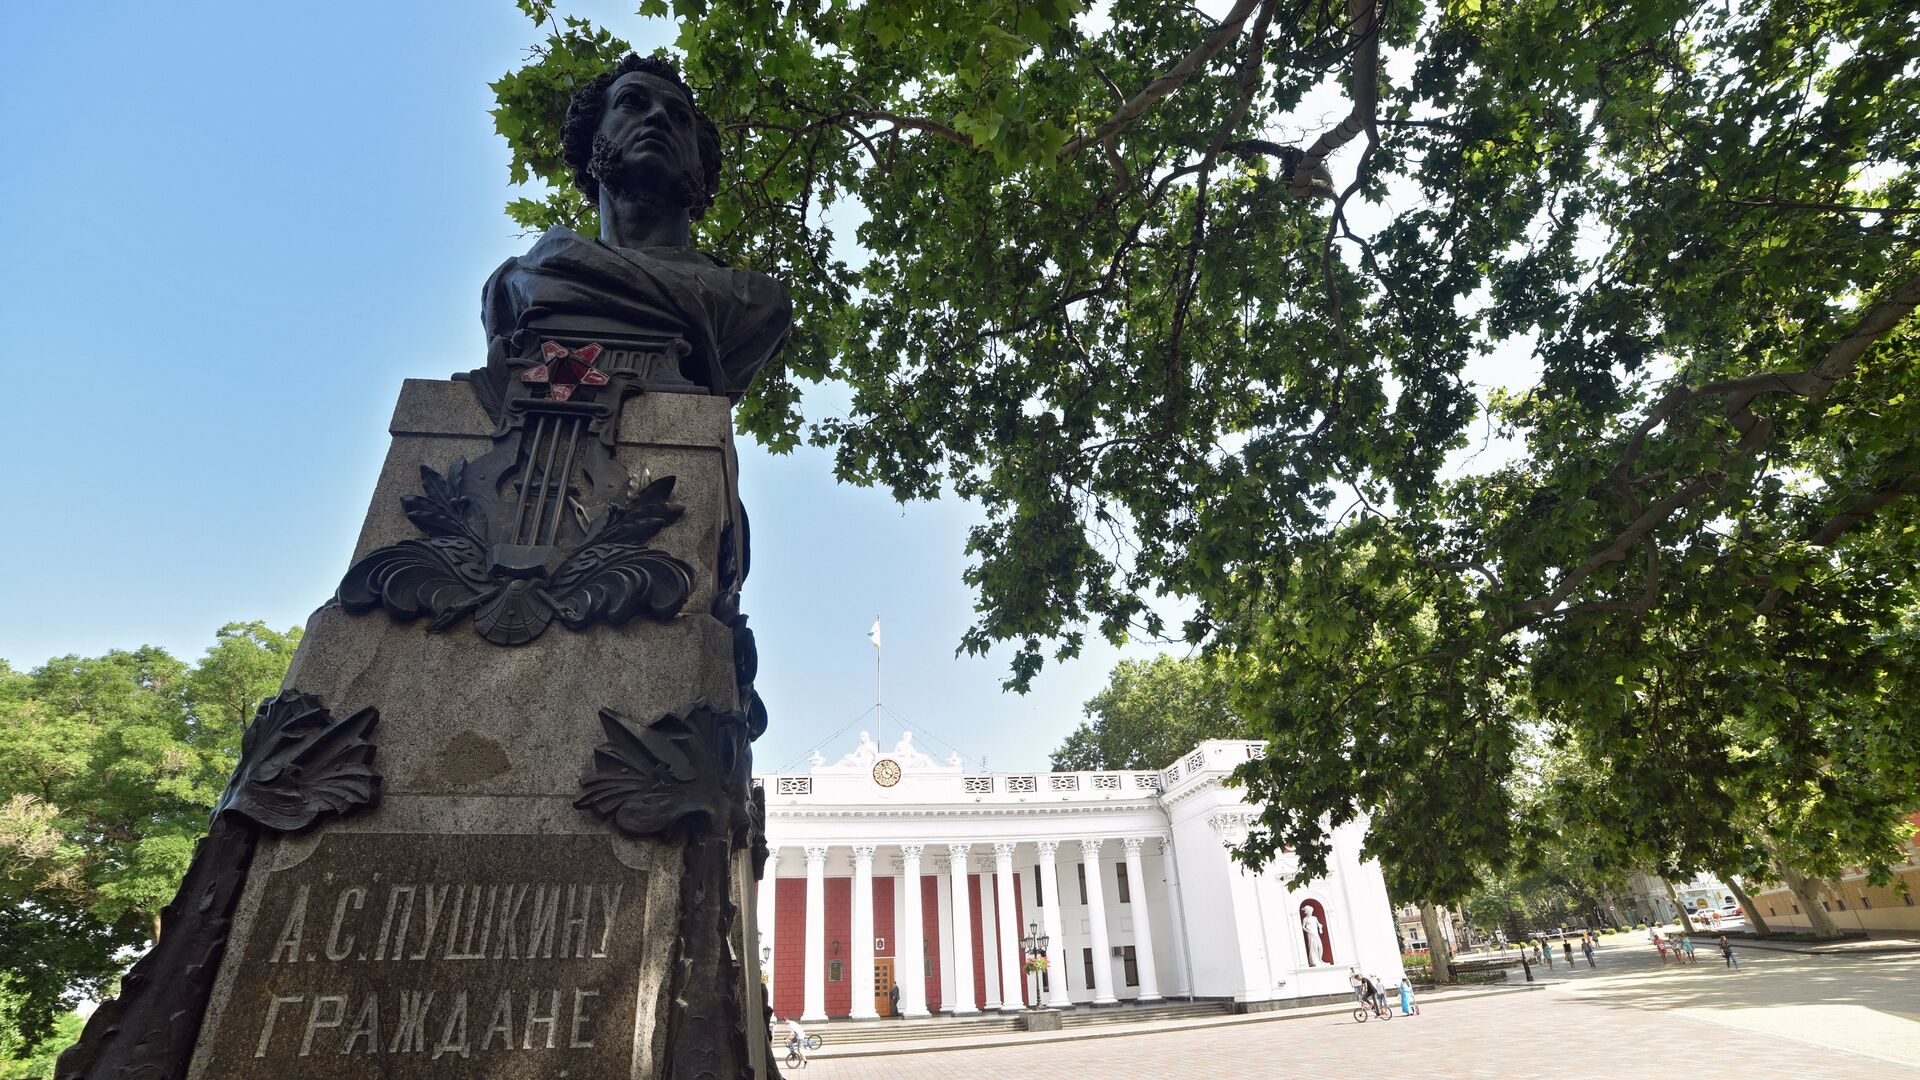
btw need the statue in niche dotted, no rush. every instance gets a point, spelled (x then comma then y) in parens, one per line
(1313, 928)
(647, 157)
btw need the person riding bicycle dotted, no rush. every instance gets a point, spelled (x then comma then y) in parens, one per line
(1364, 989)
(796, 1038)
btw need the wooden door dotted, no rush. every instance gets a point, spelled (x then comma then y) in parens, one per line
(883, 985)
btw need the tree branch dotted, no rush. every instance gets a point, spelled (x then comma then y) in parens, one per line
(1813, 384)
(1843, 523)
(1175, 77)
(1838, 208)
(1365, 78)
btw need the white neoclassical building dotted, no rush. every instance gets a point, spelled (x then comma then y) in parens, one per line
(890, 867)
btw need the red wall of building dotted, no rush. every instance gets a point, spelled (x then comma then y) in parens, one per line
(979, 955)
(839, 929)
(790, 939)
(789, 945)
(930, 934)
(1019, 931)
(883, 926)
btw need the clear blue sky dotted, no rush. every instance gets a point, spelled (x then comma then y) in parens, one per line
(232, 230)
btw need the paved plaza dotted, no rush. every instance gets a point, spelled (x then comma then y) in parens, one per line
(1781, 1014)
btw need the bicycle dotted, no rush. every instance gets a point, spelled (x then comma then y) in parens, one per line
(797, 1060)
(1360, 1015)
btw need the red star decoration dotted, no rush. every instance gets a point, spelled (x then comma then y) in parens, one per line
(564, 369)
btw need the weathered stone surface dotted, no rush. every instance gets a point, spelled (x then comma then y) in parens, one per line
(1039, 1020)
(685, 436)
(456, 956)
(438, 407)
(366, 921)
(452, 706)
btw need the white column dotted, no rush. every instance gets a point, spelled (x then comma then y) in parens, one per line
(1142, 922)
(1056, 937)
(815, 1005)
(942, 929)
(989, 940)
(764, 912)
(1097, 923)
(1010, 973)
(863, 933)
(911, 949)
(1183, 983)
(962, 933)
(1250, 960)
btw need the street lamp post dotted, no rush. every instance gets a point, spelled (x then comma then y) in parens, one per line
(1034, 944)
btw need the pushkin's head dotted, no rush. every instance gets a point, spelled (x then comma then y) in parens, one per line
(636, 130)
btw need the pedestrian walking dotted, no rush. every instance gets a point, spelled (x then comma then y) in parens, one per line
(1660, 943)
(1406, 996)
(1726, 950)
(1546, 951)
(1586, 946)
(1686, 943)
(1568, 946)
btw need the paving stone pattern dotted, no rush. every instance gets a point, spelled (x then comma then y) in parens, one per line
(1780, 1015)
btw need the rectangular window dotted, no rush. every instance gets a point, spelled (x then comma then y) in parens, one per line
(1120, 871)
(1842, 903)
(834, 971)
(1082, 868)
(1132, 966)
(1866, 901)
(1039, 898)
(1086, 957)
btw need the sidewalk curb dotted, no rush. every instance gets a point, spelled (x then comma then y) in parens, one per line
(1826, 949)
(1023, 1038)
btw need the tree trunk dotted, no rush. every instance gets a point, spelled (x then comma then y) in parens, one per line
(1746, 904)
(1807, 890)
(1432, 921)
(1613, 908)
(1679, 909)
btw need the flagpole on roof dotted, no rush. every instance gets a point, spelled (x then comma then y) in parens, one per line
(880, 716)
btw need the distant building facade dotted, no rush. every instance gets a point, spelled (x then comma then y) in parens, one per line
(889, 867)
(1854, 904)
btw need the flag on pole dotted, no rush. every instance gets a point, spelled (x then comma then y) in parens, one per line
(873, 635)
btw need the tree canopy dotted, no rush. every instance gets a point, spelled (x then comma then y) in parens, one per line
(109, 767)
(1185, 298)
(1150, 713)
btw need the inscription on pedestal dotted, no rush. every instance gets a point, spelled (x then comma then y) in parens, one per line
(439, 956)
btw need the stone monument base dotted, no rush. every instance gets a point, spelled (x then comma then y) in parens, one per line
(1039, 1020)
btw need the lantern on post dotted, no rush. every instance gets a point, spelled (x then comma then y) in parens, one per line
(1035, 947)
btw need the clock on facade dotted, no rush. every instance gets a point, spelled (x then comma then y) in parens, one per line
(886, 772)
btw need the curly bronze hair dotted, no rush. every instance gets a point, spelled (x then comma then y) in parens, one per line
(590, 103)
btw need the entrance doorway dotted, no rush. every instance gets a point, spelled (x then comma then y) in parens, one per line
(883, 985)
